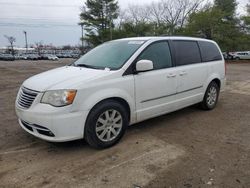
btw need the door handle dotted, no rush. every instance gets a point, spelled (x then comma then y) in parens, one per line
(171, 75)
(182, 73)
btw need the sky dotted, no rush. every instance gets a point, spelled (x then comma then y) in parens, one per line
(52, 22)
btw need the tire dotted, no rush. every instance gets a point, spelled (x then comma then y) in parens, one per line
(211, 96)
(237, 58)
(106, 124)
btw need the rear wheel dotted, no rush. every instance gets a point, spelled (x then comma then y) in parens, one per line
(211, 96)
(106, 124)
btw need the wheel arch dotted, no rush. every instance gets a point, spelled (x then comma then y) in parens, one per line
(120, 100)
(216, 78)
(89, 131)
(217, 81)
(204, 104)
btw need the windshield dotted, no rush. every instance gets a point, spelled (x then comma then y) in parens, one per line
(110, 55)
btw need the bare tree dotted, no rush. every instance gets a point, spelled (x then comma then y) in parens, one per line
(11, 40)
(156, 11)
(136, 14)
(121, 19)
(175, 13)
(248, 8)
(168, 13)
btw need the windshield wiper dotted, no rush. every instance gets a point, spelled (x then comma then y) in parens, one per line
(87, 66)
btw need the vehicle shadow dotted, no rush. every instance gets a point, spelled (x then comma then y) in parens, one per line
(163, 120)
(147, 125)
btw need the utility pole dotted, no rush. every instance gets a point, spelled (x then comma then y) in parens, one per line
(108, 13)
(26, 41)
(82, 35)
(82, 24)
(110, 25)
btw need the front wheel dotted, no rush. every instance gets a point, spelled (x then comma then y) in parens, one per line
(211, 96)
(106, 124)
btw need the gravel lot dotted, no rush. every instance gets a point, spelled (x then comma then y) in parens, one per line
(187, 148)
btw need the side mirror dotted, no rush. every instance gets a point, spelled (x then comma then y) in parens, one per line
(144, 65)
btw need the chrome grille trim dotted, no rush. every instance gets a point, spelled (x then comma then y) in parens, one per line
(26, 97)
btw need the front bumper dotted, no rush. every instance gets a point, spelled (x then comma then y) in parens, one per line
(51, 123)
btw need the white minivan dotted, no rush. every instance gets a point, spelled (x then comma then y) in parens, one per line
(120, 83)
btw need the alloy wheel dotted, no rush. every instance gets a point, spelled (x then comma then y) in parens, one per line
(108, 125)
(212, 96)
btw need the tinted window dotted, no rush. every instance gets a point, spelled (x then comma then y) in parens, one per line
(159, 54)
(242, 53)
(187, 52)
(209, 51)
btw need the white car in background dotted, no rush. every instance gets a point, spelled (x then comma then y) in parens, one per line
(120, 83)
(52, 57)
(241, 55)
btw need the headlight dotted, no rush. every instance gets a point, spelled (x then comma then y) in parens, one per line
(59, 97)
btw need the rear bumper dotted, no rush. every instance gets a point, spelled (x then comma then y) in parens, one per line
(51, 125)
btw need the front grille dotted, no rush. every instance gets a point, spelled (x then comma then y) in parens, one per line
(26, 97)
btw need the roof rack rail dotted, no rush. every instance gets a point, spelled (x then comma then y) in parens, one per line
(166, 35)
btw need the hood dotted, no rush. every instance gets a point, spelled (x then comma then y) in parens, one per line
(50, 80)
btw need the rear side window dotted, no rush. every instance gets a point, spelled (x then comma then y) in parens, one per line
(209, 51)
(159, 54)
(187, 52)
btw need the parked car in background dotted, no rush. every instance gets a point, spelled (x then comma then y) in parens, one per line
(20, 57)
(17, 57)
(120, 83)
(44, 56)
(75, 56)
(67, 55)
(241, 55)
(49, 57)
(228, 55)
(33, 57)
(52, 57)
(7, 57)
(25, 56)
(225, 55)
(59, 55)
(231, 55)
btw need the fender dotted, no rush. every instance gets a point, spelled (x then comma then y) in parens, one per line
(103, 94)
(209, 80)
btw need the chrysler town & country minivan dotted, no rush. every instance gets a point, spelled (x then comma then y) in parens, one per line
(120, 83)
